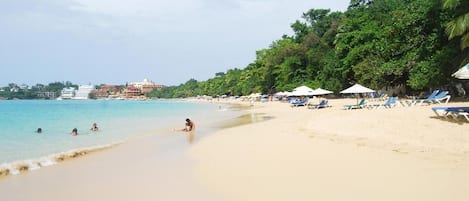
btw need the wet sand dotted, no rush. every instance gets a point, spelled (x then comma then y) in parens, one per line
(150, 168)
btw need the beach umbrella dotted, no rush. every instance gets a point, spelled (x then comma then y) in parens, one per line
(319, 91)
(280, 93)
(462, 73)
(254, 95)
(302, 91)
(357, 89)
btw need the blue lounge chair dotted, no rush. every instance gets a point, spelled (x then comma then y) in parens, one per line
(455, 112)
(390, 102)
(360, 105)
(441, 96)
(436, 99)
(429, 98)
(298, 103)
(322, 104)
(381, 97)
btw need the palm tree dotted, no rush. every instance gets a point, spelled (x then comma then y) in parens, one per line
(460, 25)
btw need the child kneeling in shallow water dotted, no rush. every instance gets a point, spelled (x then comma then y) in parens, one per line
(189, 126)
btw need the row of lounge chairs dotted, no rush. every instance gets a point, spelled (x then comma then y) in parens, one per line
(390, 102)
(305, 102)
(322, 104)
(436, 97)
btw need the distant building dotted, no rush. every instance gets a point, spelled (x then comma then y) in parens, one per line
(23, 86)
(67, 93)
(132, 91)
(14, 89)
(83, 92)
(141, 88)
(46, 95)
(107, 91)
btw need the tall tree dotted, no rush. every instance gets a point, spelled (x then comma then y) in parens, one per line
(459, 26)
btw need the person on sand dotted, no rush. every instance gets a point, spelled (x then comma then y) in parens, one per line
(74, 132)
(94, 127)
(189, 126)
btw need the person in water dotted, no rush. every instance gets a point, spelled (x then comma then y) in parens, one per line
(94, 127)
(74, 132)
(189, 125)
(39, 130)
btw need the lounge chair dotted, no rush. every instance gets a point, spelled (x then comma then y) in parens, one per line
(322, 104)
(298, 103)
(429, 98)
(436, 99)
(381, 97)
(360, 105)
(454, 112)
(390, 102)
(464, 114)
(442, 96)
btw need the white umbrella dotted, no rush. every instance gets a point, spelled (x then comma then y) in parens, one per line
(302, 88)
(357, 89)
(254, 95)
(320, 91)
(282, 93)
(462, 73)
(302, 91)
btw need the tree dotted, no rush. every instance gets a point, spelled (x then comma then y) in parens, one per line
(459, 26)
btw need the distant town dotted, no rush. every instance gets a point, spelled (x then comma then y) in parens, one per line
(69, 91)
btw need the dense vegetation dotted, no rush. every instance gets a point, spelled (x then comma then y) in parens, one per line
(13, 91)
(415, 44)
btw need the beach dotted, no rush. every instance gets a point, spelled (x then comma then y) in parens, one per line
(286, 153)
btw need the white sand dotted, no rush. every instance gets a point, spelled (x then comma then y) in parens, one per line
(334, 154)
(301, 154)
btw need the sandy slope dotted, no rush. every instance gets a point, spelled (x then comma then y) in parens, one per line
(334, 154)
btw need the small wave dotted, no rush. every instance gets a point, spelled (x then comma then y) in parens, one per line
(17, 167)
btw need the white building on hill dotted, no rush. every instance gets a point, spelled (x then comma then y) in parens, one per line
(83, 92)
(67, 93)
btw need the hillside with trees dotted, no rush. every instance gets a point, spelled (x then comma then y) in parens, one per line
(412, 44)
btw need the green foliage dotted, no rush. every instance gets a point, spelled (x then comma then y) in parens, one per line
(378, 43)
(459, 25)
(13, 91)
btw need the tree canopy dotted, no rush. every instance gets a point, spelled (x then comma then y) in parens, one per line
(379, 43)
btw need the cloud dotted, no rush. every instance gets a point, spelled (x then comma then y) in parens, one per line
(141, 38)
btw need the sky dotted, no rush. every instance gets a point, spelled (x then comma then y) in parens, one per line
(119, 41)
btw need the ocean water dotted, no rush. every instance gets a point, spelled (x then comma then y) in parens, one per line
(118, 121)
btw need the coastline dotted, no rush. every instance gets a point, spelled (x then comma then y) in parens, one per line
(153, 165)
(288, 154)
(41, 156)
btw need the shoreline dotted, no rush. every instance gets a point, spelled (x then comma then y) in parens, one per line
(19, 167)
(287, 154)
(145, 165)
(22, 166)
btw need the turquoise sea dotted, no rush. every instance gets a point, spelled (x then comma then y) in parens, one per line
(118, 121)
